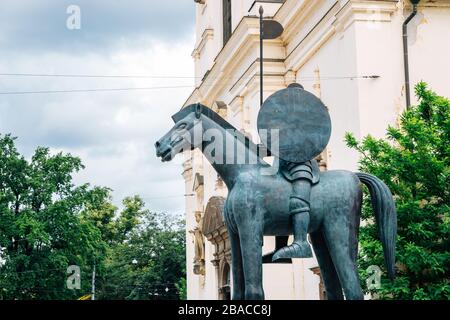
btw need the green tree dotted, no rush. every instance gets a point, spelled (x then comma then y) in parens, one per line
(182, 288)
(414, 162)
(47, 224)
(149, 263)
(41, 232)
(114, 226)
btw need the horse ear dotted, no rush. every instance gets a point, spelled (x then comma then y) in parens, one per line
(198, 110)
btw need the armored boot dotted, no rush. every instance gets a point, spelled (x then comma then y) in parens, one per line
(302, 176)
(300, 248)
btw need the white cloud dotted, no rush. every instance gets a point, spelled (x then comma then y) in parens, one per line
(113, 132)
(42, 25)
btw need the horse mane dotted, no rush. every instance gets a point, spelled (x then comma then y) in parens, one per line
(208, 112)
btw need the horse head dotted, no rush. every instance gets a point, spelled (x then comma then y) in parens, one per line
(185, 135)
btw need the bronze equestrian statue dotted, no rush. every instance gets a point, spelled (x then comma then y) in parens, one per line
(304, 129)
(295, 199)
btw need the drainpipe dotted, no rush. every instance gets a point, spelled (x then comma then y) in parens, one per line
(405, 52)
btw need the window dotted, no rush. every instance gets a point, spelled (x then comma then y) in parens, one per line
(224, 290)
(226, 20)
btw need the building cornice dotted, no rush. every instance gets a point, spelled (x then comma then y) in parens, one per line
(187, 170)
(364, 10)
(198, 182)
(314, 37)
(245, 38)
(208, 34)
(272, 67)
(338, 17)
(242, 40)
(293, 15)
(194, 97)
(304, 25)
(270, 7)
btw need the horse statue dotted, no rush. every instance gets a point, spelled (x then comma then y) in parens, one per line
(258, 205)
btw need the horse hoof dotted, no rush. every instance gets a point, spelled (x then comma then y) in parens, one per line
(295, 250)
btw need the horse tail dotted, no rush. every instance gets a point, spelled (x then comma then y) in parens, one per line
(385, 217)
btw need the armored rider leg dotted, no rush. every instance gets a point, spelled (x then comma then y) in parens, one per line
(299, 209)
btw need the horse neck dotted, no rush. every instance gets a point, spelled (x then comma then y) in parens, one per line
(228, 161)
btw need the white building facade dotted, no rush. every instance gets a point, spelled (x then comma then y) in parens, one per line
(347, 52)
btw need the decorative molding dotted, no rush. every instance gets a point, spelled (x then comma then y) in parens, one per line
(198, 182)
(272, 83)
(215, 262)
(317, 86)
(273, 68)
(271, 7)
(216, 232)
(197, 160)
(313, 40)
(364, 10)
(204, 8)
(213, 219)
(195, 97)
(244, 39)
(208, 34)
(294, 15)
(237, 105)
(224, 276)
(290, 77)
(221, 108)
(337, 18)
(199, 243)
(219, 185)
(288, 10)
(430, 4)
(187, 170)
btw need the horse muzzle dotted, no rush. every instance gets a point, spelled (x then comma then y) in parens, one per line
(163, 152)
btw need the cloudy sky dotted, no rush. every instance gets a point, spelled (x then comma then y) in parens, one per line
(112, 131)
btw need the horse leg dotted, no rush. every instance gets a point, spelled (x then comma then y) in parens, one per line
(236, 265)
(328, 271)
(251, 236)
(341, 245)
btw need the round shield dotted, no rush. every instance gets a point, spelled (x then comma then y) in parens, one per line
(294, 125)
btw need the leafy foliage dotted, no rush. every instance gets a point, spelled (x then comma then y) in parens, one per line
(47, 224)
(414, 162)
(150, 264)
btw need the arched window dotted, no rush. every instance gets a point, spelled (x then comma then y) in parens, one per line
(225, 288)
